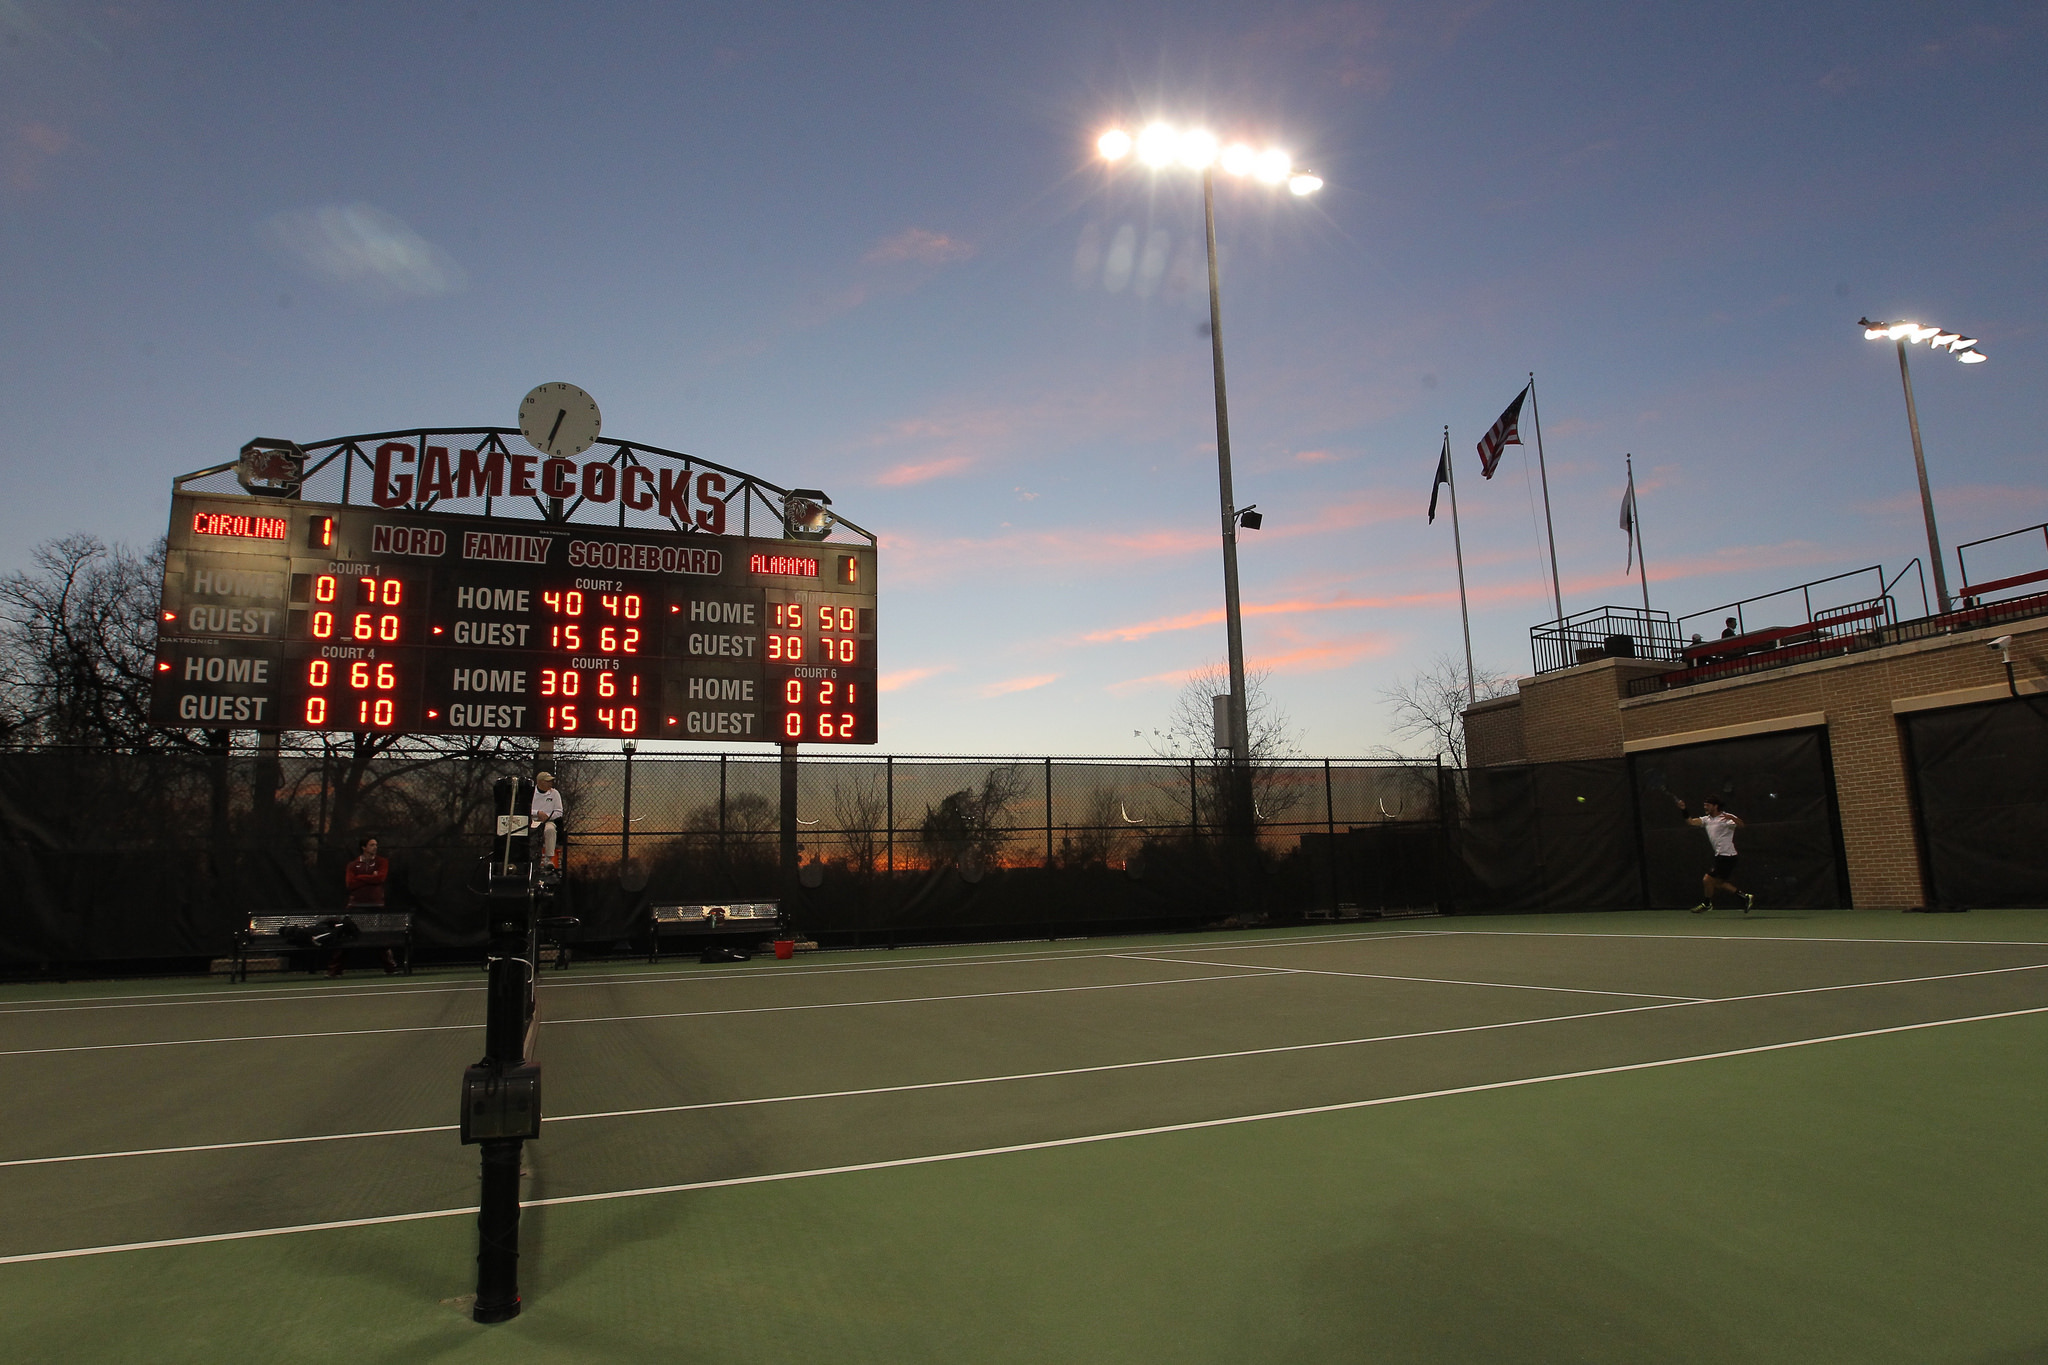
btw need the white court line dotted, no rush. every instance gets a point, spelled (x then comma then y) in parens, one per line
(1428, 980)
(620, 977)
(1747, 938)
(1237, 1054)
(633, 1018)
(1013, 1149)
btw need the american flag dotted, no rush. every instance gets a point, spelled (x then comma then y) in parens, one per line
(1506, 432)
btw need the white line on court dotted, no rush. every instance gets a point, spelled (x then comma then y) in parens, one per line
(1013, 1149)
(1237, 975)
(1746, 938)
(1678, 1003)
(626, 977)
(1427, 980)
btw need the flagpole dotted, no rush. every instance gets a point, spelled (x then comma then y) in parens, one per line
(1556, 592)
(1458, 545)
(1635, 515)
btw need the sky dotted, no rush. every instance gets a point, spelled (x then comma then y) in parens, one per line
(871, 249)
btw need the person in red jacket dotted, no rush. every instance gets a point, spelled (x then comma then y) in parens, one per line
(366, 877)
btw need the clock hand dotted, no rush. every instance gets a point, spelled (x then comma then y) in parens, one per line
(550, 442)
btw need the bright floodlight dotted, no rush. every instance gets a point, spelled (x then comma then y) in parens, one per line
(1305, 184)
(1875, 334)
(1197, 149)
(1962, 344)
(1973, 357)
(1923, 333)
(1157, 146)
(1114, 145)
(1946, 340)
(1272, 166)
(1238, 158)
(1901, 329)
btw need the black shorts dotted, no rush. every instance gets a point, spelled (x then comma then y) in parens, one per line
(1724, 866)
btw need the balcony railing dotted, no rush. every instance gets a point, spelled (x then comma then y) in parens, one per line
(1603, 633)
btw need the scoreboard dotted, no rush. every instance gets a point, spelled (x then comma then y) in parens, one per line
(284, 615)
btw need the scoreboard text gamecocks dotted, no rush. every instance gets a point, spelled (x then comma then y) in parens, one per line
(306, 616)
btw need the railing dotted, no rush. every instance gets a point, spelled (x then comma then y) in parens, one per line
(1973, 592)
(1754, 616)
(1603, 633)
(1819, 641)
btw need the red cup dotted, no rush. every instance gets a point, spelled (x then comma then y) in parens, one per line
(785, 948)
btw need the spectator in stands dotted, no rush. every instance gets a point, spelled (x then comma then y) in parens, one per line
(1731, 631)
(366, 877)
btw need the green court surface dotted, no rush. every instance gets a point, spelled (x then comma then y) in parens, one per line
(1619, 1137)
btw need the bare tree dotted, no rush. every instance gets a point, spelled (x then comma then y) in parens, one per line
(78, 648)
(1190, 733)
(974, 819)
(859, 806)
(1429, 706)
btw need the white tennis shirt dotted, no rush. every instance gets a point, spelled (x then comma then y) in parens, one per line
(547, 804)
(1720, 831)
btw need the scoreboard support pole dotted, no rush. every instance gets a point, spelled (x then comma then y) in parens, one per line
(791, 858)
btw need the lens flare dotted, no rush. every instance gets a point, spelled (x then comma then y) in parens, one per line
(1197, 149)
(1305, 184)
(1157, 145)
(1237, 159)
(1114, 145)
(1272, 165)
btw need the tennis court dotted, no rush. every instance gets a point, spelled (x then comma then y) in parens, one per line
(1653, 1136)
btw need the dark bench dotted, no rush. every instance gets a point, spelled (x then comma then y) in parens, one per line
(309, 931)
(706, 920)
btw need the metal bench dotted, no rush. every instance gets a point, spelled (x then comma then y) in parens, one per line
(706, 920)
(304, 931)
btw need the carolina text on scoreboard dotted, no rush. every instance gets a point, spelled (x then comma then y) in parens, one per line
(309, 616)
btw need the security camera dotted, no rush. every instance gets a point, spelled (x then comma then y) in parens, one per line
(2003, 642)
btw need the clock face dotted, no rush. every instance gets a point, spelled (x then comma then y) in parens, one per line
(559, 419)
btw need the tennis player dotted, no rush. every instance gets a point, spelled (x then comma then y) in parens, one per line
(1719, 826)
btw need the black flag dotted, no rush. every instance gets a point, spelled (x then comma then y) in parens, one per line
(1443, 476)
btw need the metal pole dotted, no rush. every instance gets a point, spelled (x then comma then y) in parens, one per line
(889, 783)
(1926, 494)
(1048, 812)
(1239, 817)
(1556, 592)
(1458, 546)
(626, 814)
(790, 855)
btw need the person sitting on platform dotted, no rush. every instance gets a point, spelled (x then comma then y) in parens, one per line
(547, 818)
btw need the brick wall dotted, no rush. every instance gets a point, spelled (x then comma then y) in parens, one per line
(1493, 732)
(1856, 693)
(1575, 712)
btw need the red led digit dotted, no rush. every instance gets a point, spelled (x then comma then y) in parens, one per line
(387, 677)
(359, 676)
(572, 682)
(632, 606)
(793, 725)
(632, 641)
(793, 692)
(825, 691)
(845, 725)
(363, 627)
(846, 618)
(323, 588)
(316, 710)
(323, 625)
(572, 604)
(629, 719)
(392, 591)
(316, 673)
(608, 640)
(607, 686)
(387, 628)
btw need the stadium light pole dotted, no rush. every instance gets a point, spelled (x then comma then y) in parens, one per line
(1963, 349)
(1161, 147)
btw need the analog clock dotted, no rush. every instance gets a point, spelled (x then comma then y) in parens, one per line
(559, 419)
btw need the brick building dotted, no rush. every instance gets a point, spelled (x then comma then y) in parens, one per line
(1859, 706)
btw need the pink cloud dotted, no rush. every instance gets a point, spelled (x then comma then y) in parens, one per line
(903, 474)
(1003, 689)
(891, 682)
(1195, 619)
(919, 245)
(1313, 657)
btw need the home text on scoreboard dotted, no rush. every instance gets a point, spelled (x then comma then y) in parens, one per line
(311, 616)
